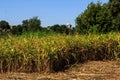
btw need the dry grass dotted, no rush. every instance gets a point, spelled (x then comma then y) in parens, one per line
(93, 70)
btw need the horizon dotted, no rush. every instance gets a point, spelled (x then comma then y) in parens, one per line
(49, 12)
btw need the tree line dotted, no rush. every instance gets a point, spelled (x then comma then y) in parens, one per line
(97, 18)
(33, 25)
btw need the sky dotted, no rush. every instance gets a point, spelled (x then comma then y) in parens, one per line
(50, 12)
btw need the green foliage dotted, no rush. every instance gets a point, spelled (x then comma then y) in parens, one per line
(114, 7)
(25, 24)
(16, 30)
(60, 29)
(99, 18)
(4, 25)
(95, 19)
(32, 24)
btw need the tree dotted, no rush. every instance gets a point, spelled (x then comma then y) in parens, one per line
(32, 24)
(17, 30)
(25, 24)
(60, 28)
(114, 7)
(104, 20)
(87, 19)
(95, 19)
(4, 25)
(55, 28)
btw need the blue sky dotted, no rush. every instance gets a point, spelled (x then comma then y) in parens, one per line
(50, 12)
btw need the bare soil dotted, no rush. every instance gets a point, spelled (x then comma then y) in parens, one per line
(92, 70)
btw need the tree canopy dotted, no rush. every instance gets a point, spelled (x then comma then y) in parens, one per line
(4, 25)
(99, 18)
(32, 24)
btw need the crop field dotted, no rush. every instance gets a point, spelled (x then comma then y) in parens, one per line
(36, 53)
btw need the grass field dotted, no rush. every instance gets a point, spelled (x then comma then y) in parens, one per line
(43, 52)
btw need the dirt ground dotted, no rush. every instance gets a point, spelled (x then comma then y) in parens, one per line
(93, 70)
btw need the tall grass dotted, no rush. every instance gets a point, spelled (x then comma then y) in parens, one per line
(36, 53)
